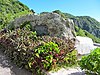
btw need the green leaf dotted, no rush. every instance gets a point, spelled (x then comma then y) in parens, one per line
(30, 64)
(37, 55)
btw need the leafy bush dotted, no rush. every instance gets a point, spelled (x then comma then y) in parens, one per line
(18, 44)
(91, 62)
(45, 56)
(60, 13)
(34, 53)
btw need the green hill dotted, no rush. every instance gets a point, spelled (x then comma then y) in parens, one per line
(89, 24)
(10, 9)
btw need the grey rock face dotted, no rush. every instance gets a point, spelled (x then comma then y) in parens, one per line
(47, 24)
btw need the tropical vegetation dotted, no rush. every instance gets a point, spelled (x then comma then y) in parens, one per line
(36, 54)
(91, 62)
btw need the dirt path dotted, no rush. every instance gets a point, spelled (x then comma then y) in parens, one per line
(8, 68)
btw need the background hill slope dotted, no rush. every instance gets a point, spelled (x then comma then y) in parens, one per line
(10, 9)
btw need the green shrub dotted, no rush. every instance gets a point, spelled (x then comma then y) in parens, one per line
(45, 56)
(18, 44)
(34, 53)
(60, 13)
(91, 62)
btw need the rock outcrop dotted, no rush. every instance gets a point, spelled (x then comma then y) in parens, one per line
(84, 45)
(47, 24)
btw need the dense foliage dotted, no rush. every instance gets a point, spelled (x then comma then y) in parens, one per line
(91, 62)
(11, 9)
(60, 13)
(34, 53)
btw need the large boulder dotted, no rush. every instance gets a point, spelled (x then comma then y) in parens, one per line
(47, 24)
(84, 45)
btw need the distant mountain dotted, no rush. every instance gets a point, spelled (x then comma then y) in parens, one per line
(10, 9)
(84, 25)
(89, 24)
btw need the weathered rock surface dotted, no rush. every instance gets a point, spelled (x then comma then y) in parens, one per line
(84, 45)
(47, 24)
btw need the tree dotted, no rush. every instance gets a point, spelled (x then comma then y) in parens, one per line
(32, 11)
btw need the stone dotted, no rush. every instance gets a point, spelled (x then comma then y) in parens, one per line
(51, 24)
(84, 45)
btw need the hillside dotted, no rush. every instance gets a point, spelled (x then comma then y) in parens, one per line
(89, 24)
(10, 9)
(84, 25)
